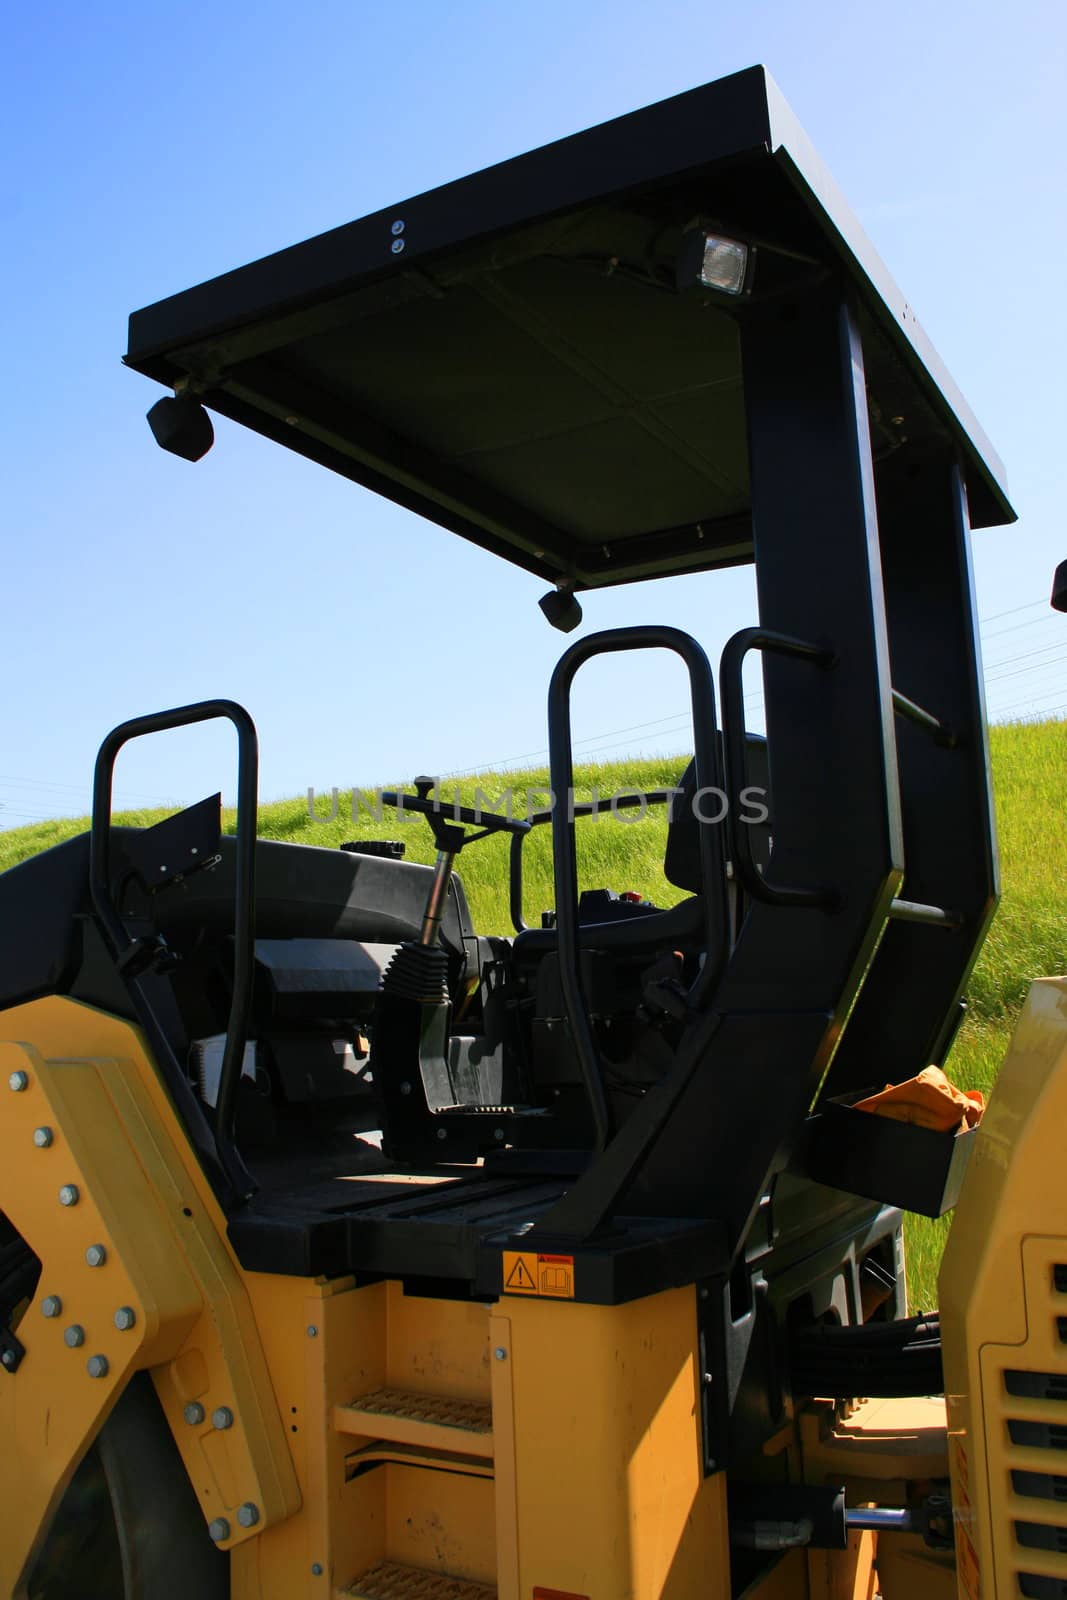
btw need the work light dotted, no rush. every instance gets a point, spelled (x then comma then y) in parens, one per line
(713, 261)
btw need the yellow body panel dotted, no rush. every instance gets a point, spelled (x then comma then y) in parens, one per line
(1001, 1301)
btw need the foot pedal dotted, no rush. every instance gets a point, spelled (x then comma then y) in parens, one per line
(388, 1581)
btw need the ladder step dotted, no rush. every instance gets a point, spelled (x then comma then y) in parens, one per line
(388, 1581)
(433, 1421)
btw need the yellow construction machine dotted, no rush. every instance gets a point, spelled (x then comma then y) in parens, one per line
(348, 1251)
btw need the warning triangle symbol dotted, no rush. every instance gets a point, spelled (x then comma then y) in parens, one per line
(520, 1277)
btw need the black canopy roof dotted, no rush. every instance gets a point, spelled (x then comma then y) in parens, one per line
(509, 355)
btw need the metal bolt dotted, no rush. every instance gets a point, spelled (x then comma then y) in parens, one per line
(43, 1137)
(405, 1088)
(98, 1366)
(68, 1195)
(500, 1353)
(9, 1358)
(51, 1305)
(498, 1133)
(316, 1569)
(74, 1335)
(398, 226)
(313, 1332)
(193, 1413)
(248, 1514)
(96, 1255)
(20, 1080)
(398, 245)
(708, 1380)
(125, 1317)
(222, 1417)
(219, 1529)
(442, 1133)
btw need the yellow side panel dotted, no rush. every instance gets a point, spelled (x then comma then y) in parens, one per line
(1002, 1299)
(606, 1486)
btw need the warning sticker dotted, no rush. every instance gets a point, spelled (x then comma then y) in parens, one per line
(548, 1276)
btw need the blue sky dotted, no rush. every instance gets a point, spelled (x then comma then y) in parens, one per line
(146, 148)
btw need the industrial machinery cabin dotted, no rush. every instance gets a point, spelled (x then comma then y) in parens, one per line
(352, 1250)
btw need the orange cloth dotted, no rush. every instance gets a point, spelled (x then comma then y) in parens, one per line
(929, 1101)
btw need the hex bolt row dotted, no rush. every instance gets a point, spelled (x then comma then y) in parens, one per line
(125, 1317)
(219, 1529)
(74, 1336)
(193, 1413)
(51, 1305)
(97, 1366)
(96, 1255)
(248, 1514)
(222, 1417)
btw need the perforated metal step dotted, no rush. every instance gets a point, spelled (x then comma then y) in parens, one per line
(388, 1581)
(408, 1417)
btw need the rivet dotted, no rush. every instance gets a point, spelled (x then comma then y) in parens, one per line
(500, 1353)
(125, 1317)
(96, 1255)
(43, 1137)
(316, 1569)
(98, 1366)
(193, 1413)
(18, 1081)
(222, 1417)
(74, 1335)
(68, 1195)
(398, 226)
(248, 1514)
(9, 1358)
(398, 245)
(313, 1332)
(442, 1133)
(51, 1305)
(219, 1529)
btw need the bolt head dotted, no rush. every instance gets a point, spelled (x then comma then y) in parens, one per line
(316, 1569)
(222, 1417)
(405, 1088)
(68, 1195)
(125, 1317)
(219, 1529)
(193, 1413)
(442, 1133)
(498, 1133)
(398, 245)
(43, 1137)
(51, 1305)
(500, 1353)
(98, 1366)
(96, 1255)
(248, 1514)
(313, 1332)
(74, 1335)
(18, 1081)
(398, 227)
(8, 1358)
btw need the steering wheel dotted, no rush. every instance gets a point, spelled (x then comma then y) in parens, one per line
(446, 821)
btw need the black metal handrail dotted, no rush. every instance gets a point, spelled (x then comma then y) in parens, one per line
(581, 808)
(712, 853)
(733, 711)
(124, 946)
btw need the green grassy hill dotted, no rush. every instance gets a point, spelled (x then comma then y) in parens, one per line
(1029, 936)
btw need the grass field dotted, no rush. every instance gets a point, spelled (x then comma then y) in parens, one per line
(1028, 939)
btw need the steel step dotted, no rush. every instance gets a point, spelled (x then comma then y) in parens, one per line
(408, 1417)
(388, 1581)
